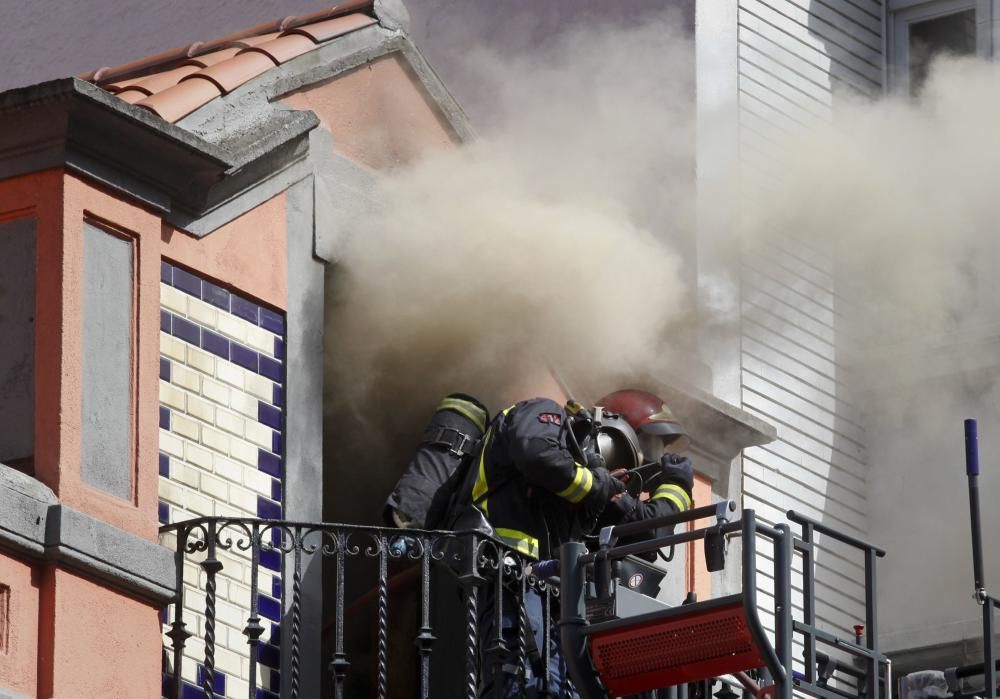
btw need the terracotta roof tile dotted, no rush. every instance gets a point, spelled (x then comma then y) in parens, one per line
(341, 8)
(122, 84)
(331, 28)
(181, 99)
(210, 59)
(133, 95)
(285, 48)
(142, 64)
(157, 82)
(228, 75)
(176, 82)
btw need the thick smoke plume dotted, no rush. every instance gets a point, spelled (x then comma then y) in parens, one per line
(901, 195)
(544, 242)
(557, 237)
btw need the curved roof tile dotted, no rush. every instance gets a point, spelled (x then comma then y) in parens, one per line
(285, 48)
(229, 75)
(181, 99)
(205, 60)
(331, 28)
(174, 83)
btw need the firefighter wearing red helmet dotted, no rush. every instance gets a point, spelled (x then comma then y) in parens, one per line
(658, 431)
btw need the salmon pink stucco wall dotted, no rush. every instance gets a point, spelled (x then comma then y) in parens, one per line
(85, 203)
(96, 642)
(378, 114)
(39, 197)
(249, 254)
(699, 580)
(18, 626)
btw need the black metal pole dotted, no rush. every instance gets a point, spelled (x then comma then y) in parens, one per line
(972, 471)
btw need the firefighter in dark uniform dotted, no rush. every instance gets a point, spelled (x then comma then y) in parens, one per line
(541, 478)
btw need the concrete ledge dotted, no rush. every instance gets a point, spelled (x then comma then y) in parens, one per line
(33, 523)
(24, 507)
(76, 540)
(7, 694)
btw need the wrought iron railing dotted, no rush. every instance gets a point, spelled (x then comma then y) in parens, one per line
(259, 568)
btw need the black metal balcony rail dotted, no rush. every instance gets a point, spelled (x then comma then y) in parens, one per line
(423, 559)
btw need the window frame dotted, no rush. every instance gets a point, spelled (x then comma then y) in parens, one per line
(903, 13)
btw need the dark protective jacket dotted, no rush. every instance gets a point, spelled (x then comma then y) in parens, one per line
(456, 426)
(531, 489)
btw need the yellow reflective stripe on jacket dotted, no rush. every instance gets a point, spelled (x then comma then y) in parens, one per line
(519, 541)
(466, 408)
(583, 481)
(480, 487)
(675, 494)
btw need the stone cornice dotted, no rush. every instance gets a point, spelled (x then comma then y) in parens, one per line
(35, 525)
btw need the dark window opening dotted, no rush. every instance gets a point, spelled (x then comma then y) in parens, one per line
(952, 35)
(17, 347)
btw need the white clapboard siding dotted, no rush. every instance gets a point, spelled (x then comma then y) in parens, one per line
(797, 60)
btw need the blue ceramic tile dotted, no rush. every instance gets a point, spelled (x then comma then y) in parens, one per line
(276, 490)
(166, 273)
(165, 615)
(186, 330)
(270, 368)
(276, 588)
(279, 348)
(215, 343)
(271, 560)
(164, 418)
(279, 395)
(275, 632)
(267, 509)
(275, 322)
(264, 694)
(164, 465)
(245, 357)
(185, 281)
(269, 415)
(269, 463)
(167, 689)
(276, 537)
(269, 608)
(165, 321)
(247, 310)
(268, 655)
(274, 681)
(189, 691)
(276, 442)
(219, 683)
(164, 368)
(163, 512)
(215, 295)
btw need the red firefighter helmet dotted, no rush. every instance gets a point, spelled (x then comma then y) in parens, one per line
(651, 419)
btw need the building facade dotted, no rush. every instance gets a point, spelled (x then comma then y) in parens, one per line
(168, 229)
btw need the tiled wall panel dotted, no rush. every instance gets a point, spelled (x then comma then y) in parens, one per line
(221, 445)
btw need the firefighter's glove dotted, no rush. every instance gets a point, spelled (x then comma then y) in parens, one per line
(677, 469)
(595, 461)
(602, 490)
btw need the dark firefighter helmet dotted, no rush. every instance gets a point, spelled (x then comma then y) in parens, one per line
(616, 442)
(652, 420)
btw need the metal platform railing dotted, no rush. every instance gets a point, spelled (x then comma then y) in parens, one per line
(721, 636)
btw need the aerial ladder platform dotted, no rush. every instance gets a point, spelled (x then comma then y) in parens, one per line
(664, 652)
